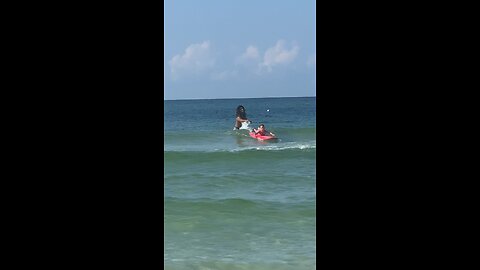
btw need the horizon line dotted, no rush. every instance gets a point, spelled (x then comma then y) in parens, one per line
(238, 98)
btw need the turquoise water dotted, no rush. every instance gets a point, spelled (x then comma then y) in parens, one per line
(232, 202)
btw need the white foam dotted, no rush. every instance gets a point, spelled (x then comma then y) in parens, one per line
(286, 146)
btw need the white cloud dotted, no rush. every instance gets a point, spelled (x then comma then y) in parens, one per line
(251, 53)
(312, 60)
(279, 55)
(197, 58)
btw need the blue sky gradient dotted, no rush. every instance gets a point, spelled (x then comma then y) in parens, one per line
(239, 49)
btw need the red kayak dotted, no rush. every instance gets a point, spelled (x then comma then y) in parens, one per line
(261, 137)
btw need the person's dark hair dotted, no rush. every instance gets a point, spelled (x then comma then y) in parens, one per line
(241, 112)
(261, 125)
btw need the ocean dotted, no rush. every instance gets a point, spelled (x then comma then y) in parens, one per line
(232, 202)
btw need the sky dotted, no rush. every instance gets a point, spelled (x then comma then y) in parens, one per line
(239, 48)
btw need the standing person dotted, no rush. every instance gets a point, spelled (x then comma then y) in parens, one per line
(241, 117)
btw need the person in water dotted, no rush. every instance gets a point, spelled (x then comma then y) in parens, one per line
(262, 131)
(241, 117)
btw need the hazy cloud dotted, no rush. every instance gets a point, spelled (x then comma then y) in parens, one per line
(251, 53)
(224, 75)
(279, 55)
(197, 58)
